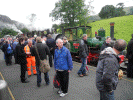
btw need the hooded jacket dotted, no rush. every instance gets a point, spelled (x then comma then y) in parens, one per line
(107, 70)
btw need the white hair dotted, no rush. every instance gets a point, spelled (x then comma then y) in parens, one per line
(58, 40)
(29, 40)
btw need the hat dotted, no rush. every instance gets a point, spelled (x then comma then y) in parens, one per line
(64, 38)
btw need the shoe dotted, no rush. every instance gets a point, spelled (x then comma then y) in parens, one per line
(38, 84)
(63, 94)
(47, 83)
(59, 91)
(25, 81)
(29, 76)
(81, 75)
(86, 74)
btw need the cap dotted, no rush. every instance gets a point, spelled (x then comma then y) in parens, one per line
(64, 38)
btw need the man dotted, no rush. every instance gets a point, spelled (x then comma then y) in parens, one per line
(96, 33)
(44, 40)
(66, 43)
(51, 44)
(83, 53)
(8, 56)
(107, 70)
(63, 65)
(30, 59)
(43, 51)
(14, 51)
(21, 59)
(129, 56)
(106, 43)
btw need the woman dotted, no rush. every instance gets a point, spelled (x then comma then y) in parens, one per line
(21, 59)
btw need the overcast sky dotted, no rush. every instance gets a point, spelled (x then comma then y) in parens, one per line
(19, 10)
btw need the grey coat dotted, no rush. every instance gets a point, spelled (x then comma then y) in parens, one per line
(107, 71)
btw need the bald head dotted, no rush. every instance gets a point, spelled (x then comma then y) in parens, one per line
(120, 45)
(29, 42)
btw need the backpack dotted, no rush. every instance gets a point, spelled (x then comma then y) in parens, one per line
(56, 82)
(9, 49)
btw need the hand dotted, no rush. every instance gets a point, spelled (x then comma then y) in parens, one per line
(110, 91)
(69, 71)
(28, 52)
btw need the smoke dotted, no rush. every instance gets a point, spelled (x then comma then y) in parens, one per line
(12, 26)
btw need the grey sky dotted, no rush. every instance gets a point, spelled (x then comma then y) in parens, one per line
(19, 10)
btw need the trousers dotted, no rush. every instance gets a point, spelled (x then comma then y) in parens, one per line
(23, 72)
(64, 80)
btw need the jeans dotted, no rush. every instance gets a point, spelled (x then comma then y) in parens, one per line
(83, 66)
(46, 76)
(106, 95)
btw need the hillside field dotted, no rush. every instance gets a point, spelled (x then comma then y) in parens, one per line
(123, 27)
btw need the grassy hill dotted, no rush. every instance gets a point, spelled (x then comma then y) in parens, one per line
(123, 27)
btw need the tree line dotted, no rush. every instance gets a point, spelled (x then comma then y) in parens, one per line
(76, 12)
(6, 31)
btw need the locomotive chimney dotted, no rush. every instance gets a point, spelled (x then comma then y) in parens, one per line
(112, 30)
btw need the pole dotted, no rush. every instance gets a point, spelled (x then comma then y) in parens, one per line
(112, 30)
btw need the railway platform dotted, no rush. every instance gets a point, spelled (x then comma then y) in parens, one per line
(80, 88)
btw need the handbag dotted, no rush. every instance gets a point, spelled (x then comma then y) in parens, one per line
(120, 74)
(56, 82)
(44, 65)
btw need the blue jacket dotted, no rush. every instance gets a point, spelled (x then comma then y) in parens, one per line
(14, 45)
(107, 71)
(63, 59)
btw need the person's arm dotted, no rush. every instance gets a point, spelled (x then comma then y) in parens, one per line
(19, 52)
(55, 67)
(47, 50)
(69, 59)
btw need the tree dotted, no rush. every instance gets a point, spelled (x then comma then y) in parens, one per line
(119, 10)
(25, 30)
(70, 11)
(131, 11)
(107, 11)
(6, 31)
(55, 27)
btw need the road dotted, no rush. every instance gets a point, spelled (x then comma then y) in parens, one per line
(80, 88)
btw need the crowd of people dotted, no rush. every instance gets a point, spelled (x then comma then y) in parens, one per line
(26, 50)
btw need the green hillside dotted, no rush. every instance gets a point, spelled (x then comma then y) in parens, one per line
(123, 27)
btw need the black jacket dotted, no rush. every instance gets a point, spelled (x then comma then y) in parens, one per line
(43, 51)
(105, 45)
(20, 54)
(4, 49)
(83, 49)
(51, 44)
(129, 54)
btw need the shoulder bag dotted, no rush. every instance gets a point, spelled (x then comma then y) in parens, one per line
(44, 65)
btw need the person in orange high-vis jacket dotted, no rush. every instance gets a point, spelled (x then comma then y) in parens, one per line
(30, 59)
